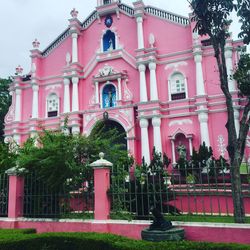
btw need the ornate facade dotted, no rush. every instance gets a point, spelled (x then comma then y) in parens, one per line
(141, 66)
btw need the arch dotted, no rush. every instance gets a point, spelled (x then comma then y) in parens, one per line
(179, 132)
(177, 86)
(107, 125)
(52, 105)
(108, 95)
(109, 41)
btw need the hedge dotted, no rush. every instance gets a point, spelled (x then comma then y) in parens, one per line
(80, 241)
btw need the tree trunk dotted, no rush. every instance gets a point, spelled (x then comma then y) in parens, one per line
(234, 144)
(239, 211)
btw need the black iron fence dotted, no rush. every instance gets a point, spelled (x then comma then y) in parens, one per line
(201, 190)
(74, 199)
(4, 190)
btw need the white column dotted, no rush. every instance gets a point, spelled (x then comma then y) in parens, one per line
(119, 89)
(229, 64)
(237, 121)
(18, 105)
(143, 86)
(97, 93)
(75, 102)
(144, 140)
(66, 97)
(74, 48)
(200, 90)
(153, 82)
(173, 152)
(139, 21)
(156, 122)
(203, 119)
(35, 89)
(190, 146)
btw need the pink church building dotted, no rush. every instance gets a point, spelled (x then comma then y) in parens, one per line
(140, 67)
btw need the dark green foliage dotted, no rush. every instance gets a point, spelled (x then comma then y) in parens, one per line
(80, 241)
(8, 156)
(202, 155)
(212, 18)
(60, 157)
(5, 101)
(242, 74)
(149, 186)
(243, 10)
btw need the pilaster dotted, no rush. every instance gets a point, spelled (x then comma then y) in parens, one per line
(139, 15)
(35, 104)
(203, 119)
(156, 122)
(143, 86)
(75, 99)
(144, 140)
(200, 90)
(66, 99)
(153, 82)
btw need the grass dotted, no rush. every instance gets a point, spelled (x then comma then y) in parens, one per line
(80, 241)
(244, 168)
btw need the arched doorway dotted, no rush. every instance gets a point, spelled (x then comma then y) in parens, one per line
(109, 127)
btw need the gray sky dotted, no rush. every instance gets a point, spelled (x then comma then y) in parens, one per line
(24, 20)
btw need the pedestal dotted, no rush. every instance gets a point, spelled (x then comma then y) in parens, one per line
(173, 234)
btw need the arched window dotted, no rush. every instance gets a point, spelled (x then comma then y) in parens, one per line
(178, 88)
(109, 96)
(109, 41)
(52, 105)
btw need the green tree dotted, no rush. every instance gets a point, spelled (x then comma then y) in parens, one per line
(5, 101)
(212, 18)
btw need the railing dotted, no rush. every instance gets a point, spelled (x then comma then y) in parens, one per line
(167, 15)
(183, 190)
(89, 19)
(4, 189)
(54, 44)
(66, 33)
(127, 9)
(73, 200)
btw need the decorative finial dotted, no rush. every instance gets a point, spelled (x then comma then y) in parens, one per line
(19, 70)
(74, 13)
(36, 44)
(101, 155)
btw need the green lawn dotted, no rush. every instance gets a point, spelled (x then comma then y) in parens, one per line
(28, 240)
(244, 169)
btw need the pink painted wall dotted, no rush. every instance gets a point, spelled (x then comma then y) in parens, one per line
(173, 53)
(207, 204)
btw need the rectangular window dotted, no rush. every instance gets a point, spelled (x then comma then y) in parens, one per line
(178, 96)
(52, 113)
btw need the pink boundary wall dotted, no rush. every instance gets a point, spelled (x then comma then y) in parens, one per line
(209, 232)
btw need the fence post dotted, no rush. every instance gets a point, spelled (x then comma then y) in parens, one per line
(101, 186)
(16, 192)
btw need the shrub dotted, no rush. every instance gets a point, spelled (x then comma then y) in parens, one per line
(80, 241)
